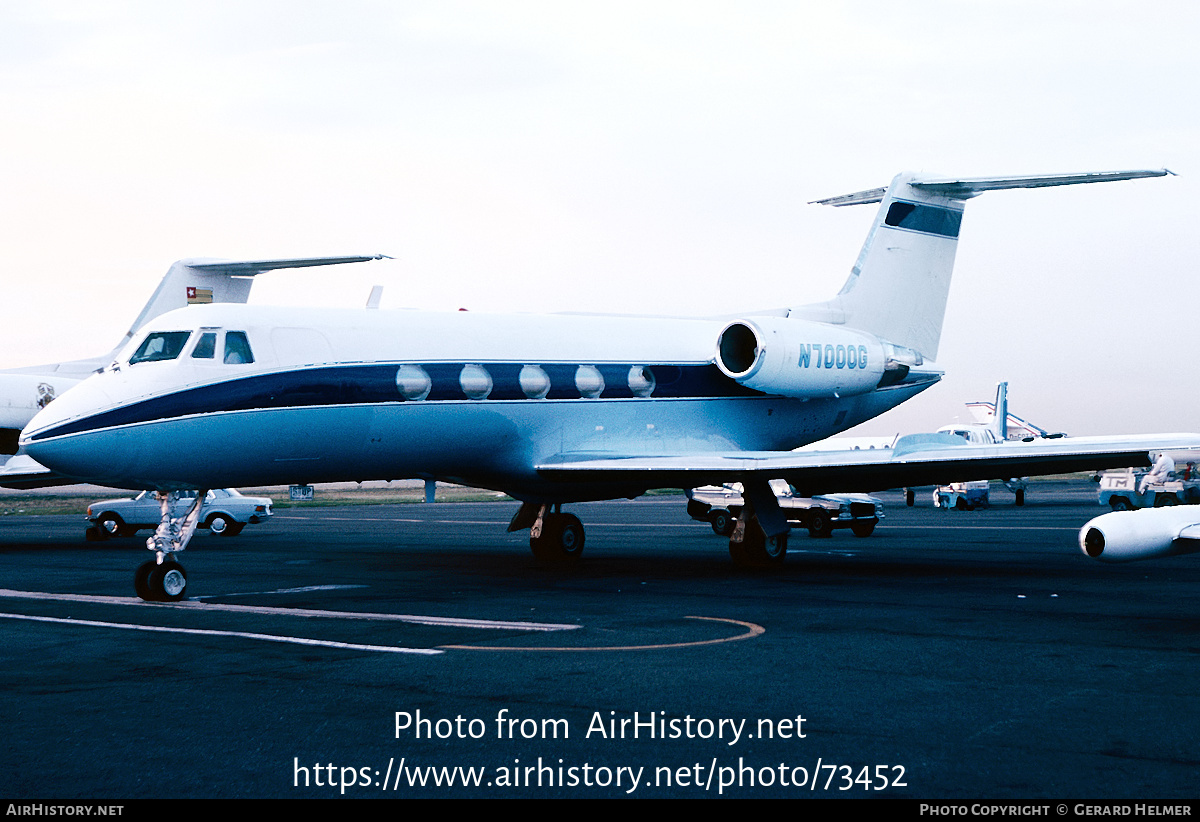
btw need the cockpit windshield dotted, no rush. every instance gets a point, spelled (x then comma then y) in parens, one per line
(206, 346)
(237, 348)
(161, 345)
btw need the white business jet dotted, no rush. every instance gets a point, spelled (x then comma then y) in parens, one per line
(554, 409)
(27, 390)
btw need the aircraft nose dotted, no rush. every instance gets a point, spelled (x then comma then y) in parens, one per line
(83, 400)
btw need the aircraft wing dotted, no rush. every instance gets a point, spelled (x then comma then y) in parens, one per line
(23, 472)
(917, 459)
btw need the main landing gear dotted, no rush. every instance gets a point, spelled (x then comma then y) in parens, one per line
(553, 535)
(759, 539)
(163, 579)
(751, 547)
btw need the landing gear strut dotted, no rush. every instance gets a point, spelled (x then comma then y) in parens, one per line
(163, 579)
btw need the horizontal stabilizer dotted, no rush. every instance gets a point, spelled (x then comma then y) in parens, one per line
(871, 195)
(964, 188)
(248, 268)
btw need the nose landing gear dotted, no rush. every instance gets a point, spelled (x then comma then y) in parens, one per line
(163, 579)
(164, 582)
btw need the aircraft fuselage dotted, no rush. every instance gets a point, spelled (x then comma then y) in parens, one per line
(344, 395)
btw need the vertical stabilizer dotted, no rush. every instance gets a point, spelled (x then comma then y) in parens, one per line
(999, 421)
(899, 285)
(183, 285)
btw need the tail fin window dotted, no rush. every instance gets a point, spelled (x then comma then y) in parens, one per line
(163, 345)
(237, 348)
(924, 218)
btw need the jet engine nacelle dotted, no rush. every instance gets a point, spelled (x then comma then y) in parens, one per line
(1151, 532)
(797, 358)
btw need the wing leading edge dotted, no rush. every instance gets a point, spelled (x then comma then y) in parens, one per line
(918, 459)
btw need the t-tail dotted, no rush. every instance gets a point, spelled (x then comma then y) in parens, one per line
(199, 281)
(899, 285)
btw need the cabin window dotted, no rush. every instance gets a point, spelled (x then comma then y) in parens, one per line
(237, 348)
(206, 346)
(162, 345)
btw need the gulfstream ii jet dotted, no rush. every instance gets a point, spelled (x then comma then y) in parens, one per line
(559, 408)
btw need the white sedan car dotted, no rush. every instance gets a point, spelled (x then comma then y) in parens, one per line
(225, 512)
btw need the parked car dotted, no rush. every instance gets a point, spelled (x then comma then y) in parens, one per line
(225, 512)
(721, 505)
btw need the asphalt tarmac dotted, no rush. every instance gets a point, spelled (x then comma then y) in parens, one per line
(361, 651)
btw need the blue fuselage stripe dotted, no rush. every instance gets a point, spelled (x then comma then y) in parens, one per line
(376, 383)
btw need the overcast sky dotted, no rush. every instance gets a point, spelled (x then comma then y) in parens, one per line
(628, 157)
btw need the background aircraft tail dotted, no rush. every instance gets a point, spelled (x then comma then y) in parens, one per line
(198, 281)
(1015, 427)
(898, 287)
(999, 421)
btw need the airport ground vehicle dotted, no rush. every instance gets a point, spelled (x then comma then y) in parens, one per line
(967, 496)
(720, 506)
(1119, 491)
(961, 496)
(225, 512)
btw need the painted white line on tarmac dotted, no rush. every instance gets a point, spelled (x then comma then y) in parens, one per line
(952, 527)
(591, 525)
(414, 619)
(688, 525)
(304, 590)
(294, 640)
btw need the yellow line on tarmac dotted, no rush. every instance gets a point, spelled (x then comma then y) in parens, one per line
(752, 630)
